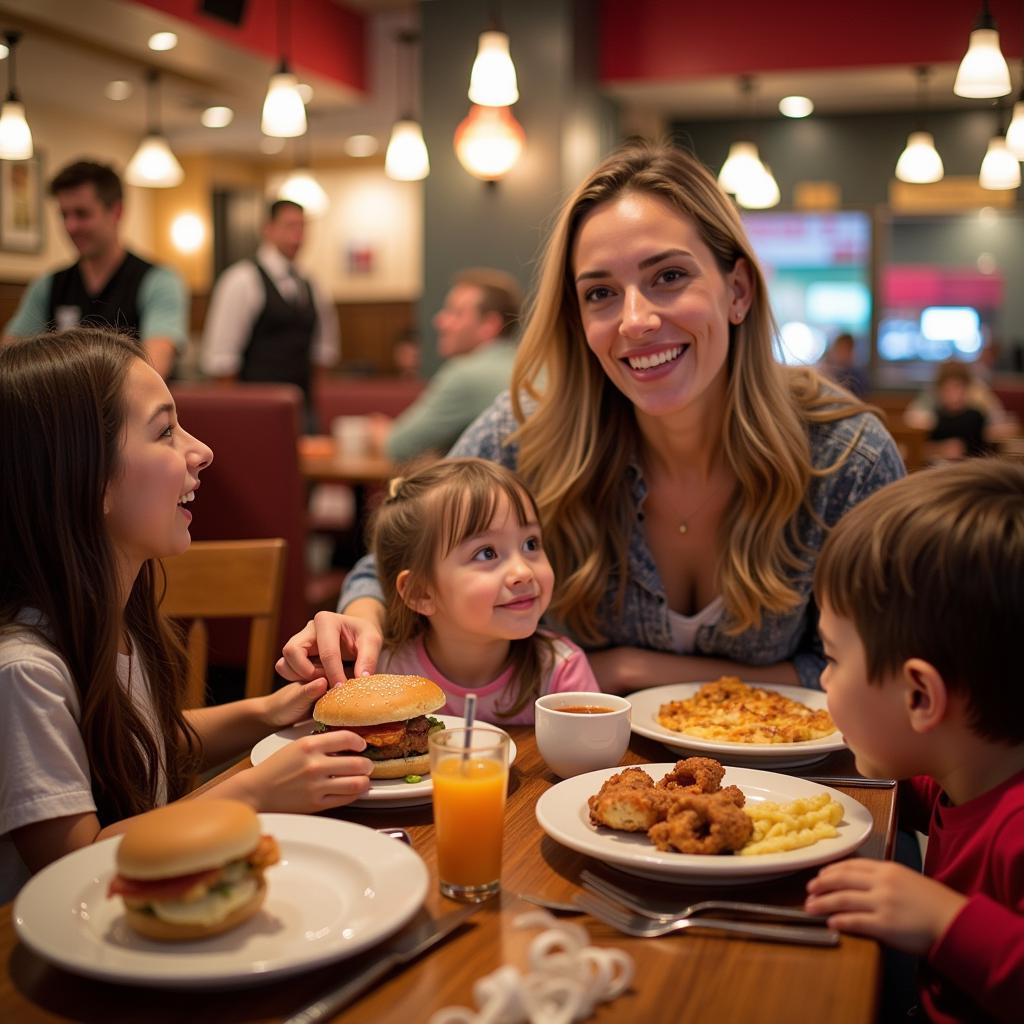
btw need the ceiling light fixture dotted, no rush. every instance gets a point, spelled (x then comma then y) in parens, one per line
(217, 117)
(1015, 133)
(153, 165)
(760, 191)
(743, 170)
(492, 82)
(920, 163)
(301, 187)
(15, 134)
(284, 114)
(795, 106)
(489, 141)
(1000, 169)
(118, 90)
(983, 72)
(162, 41)
(361, 145)
(407, 158)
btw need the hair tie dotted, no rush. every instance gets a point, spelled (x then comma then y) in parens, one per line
(394, 486)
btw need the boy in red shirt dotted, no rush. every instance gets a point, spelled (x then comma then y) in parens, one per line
(921, 589)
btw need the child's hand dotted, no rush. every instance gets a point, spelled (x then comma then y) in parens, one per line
(307, 775)
(331, 637)
(886, 901)
(292, 703)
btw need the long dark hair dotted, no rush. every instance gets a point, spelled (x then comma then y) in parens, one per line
(62, 421)
(428, 513)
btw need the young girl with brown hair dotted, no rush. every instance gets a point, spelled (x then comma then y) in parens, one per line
(97, 474)
(466, 581)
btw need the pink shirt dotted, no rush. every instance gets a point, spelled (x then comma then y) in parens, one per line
(570, 671)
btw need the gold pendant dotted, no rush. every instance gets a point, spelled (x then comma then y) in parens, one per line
(682, 527)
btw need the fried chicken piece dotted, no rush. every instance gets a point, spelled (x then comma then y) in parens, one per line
(627, 802)
(703, 824)
(694, 775)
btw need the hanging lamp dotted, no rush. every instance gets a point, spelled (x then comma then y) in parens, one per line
(759, 192)
(920, 163)
(15, 134)
(489, 141)
(983, 73)
(743, 168)
(302, 187)
(492, 82)
(406, 158)
(284, 113)
(1015, 133)
(153, 165)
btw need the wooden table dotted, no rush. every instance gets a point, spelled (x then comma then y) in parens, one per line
(321, 461)
(681, 978)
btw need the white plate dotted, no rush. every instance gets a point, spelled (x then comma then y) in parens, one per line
(646, 704)
(562, 812)
(338, 889)
(392, 792)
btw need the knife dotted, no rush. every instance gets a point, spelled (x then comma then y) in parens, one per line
(427, 934)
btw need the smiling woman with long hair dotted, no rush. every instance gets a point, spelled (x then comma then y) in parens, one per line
(684, 477)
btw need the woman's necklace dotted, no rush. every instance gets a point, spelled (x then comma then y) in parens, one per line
(684, 522)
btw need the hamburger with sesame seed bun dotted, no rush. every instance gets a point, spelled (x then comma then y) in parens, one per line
(192, 869)
(390, 712)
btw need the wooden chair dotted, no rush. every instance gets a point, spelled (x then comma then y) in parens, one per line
(228, 579)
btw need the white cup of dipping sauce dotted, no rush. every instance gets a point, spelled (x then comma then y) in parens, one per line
(352, 435)
(581, 732)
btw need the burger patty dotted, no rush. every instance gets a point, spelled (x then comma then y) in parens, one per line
(394, 739)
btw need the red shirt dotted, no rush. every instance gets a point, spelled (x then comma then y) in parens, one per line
(975, 971)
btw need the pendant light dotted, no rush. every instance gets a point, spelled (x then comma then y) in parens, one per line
(284, 113)
(1000, 169)
(302, 187)
(743, 169)
(1015, 133)
(489, 141)
(153, 165)
(920, 163)
(492, 82)
(15, 134)
(983, 72)
(406, 158)
(760, 191)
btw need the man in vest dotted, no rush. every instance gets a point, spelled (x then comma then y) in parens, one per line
(108, 286)
(266, 322)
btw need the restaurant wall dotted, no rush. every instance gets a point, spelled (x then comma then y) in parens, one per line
(60, 139)
(568, 127)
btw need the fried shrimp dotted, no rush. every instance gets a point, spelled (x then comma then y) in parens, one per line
(703, 824)
(694, 775)
(628, 802)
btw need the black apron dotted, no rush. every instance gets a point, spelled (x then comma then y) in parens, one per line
(115, 306)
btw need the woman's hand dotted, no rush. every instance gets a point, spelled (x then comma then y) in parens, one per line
(886, 901)
(329, 638)
(292, 703)
(310, 774)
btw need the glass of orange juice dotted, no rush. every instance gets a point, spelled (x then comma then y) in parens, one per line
(469, 771)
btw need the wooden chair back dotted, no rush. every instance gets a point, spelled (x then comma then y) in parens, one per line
(228, 579)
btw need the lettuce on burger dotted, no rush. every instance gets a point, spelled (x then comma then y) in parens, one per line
(391, 713)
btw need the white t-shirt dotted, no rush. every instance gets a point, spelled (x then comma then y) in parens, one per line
(570, 672)
(44, 771)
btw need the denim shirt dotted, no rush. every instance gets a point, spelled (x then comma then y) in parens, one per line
(643, 620)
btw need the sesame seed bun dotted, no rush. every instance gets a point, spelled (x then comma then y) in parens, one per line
(185, 837)
(373, 700)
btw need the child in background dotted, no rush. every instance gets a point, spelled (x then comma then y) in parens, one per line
(466, 581)
(97, 474)
(921, 589)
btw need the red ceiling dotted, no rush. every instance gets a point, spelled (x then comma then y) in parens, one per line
(652, 40)
(326, 39)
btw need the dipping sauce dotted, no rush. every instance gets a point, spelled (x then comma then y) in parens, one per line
(584, 709)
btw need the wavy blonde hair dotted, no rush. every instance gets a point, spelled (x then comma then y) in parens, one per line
(581, 485)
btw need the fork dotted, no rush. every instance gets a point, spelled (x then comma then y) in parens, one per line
(641, 927)
(601, 886)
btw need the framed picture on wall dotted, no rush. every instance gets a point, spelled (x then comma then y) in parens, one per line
(21, 205)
